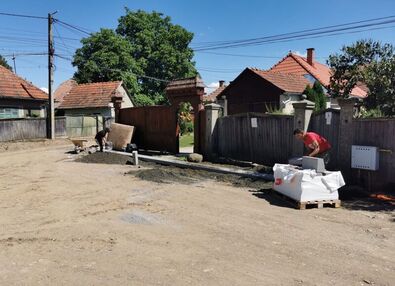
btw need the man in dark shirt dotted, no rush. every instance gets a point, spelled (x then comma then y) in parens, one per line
(101, 137)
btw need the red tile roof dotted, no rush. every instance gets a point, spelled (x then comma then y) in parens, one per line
(298, 65)
(90, 95)
(14, 86)
(62, 90)
(288, 82)
(213, 95)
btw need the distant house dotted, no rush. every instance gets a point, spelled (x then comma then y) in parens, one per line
(62, 90)
(256, 90)
(19, 98)
(312, 70)
(92, 98)
(212, 97)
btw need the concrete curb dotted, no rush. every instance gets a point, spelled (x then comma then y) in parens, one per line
(197, 166)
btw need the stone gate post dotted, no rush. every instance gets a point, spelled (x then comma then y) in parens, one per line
(345, 135)
(212, 114)
(302, 114)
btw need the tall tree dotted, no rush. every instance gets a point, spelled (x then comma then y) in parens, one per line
(146, 49)
(368, 62)
(159, 47)
(317, 95)
(3, 62)
(106, 56)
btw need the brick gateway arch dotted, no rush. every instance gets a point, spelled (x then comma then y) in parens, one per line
(157, 126)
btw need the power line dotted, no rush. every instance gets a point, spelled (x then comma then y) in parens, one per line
(298, 34)
(23, 16)
(25, 54)
(72, 27)
(302, 31)
(57, 32)
(119, 70)
(241, 55)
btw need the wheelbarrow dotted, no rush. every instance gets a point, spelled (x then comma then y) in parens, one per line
(79, 145)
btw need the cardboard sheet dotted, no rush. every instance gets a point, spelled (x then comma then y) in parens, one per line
(120, 135)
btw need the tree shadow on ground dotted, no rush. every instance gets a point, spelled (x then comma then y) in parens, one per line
(351, 200)
(356, 198)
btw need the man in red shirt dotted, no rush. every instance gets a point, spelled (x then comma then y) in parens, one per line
(318, 146)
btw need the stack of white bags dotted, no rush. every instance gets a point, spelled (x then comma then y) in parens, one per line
(306, 185)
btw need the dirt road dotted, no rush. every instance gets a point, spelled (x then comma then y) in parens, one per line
(69, 223)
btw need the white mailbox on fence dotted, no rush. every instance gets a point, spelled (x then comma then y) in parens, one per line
(365, 157)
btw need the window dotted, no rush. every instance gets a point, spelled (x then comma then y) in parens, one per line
(309, 77)
(9, 113)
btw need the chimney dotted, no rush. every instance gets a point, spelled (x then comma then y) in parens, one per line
(221, 83)
(310, 56)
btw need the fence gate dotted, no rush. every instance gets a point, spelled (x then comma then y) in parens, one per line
(327, 123)
(156, 127)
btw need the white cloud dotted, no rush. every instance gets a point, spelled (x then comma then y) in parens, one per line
(300, 54)
(211, 87)
(44, 89)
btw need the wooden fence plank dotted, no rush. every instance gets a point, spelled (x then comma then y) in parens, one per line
(268, 143)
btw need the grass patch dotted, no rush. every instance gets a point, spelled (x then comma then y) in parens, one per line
(186, 140)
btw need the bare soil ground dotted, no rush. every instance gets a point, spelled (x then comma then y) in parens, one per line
(72, 223)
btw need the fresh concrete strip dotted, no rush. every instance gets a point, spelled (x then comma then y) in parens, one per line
(197, 166)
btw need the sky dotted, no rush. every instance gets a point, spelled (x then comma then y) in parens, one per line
(214, 20)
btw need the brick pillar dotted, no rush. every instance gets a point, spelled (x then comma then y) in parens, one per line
(212, 114)
(302, 114)
(345, 135)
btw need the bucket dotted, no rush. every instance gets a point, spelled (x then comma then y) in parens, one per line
(108, 146)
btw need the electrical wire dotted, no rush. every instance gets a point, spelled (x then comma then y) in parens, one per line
(66, 46)
(295, 35)
(72, 27)
(23, 16)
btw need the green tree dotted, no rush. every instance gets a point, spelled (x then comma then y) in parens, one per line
(317, 95)
(106, 56)
(146, 51)
(368, 62)
(160, 48)
(3, 62)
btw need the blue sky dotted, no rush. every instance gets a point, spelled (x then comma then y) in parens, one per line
(214, 20)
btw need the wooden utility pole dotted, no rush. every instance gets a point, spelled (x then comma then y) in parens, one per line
(51, 109)
(13, 58)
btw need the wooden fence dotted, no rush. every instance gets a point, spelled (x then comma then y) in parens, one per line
(255, 137)
(29, 128)
(271, 141)
(379, 133)
(36, 128)
(329, 129)
(156, 127)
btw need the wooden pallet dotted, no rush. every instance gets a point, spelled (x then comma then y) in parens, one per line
(309, 204)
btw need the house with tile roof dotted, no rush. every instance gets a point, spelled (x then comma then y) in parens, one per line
(92, 98)
(312, 70)
(256, 90)
(212, 97)
(19, 98)
(280, 86)
(62, 90)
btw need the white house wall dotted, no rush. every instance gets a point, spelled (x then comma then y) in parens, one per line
(286, 101)
(126, 101)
